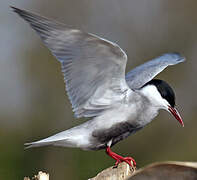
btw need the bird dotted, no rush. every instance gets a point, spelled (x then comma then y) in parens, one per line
(117, 104)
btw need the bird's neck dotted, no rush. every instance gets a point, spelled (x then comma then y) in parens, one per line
(143, 110)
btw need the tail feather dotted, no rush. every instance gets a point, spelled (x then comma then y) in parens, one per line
(68, 138)
(49, 141)
(36, 144)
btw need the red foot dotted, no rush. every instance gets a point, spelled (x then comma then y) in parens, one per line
(120, 159)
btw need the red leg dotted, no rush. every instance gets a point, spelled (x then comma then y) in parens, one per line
(119, 158)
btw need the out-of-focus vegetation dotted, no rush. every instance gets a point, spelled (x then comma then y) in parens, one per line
(33, 104)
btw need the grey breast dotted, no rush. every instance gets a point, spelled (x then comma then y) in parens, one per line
(116, 133)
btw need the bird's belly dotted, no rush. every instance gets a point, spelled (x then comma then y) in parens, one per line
(115, 125)
(114, 134)
(118, 124)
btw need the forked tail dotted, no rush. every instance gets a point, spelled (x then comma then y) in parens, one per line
(37, 144)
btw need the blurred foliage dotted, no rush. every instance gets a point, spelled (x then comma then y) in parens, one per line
(33, 102)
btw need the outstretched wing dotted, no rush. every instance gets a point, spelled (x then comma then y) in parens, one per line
(142, 74)
(93, 68)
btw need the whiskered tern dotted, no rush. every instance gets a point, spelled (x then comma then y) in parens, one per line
(94, 73)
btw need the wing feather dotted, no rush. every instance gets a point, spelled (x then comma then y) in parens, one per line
(93, 68)
(142, 74)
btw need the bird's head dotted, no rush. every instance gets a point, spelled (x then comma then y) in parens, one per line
(161, 96)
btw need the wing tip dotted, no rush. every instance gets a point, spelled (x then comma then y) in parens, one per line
(22, 13)
(17, 10)
(175, 56)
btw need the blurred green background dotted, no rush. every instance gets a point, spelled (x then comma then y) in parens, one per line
(33, 103)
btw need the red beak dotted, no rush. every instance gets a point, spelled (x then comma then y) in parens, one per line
(176, 114)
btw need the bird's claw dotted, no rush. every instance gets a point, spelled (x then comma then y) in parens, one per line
(129, 160)
(116, 163)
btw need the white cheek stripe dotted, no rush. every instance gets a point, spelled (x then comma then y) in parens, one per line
(151, 92)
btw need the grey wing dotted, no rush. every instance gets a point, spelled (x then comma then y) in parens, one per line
(147, 71)
(93, 68)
